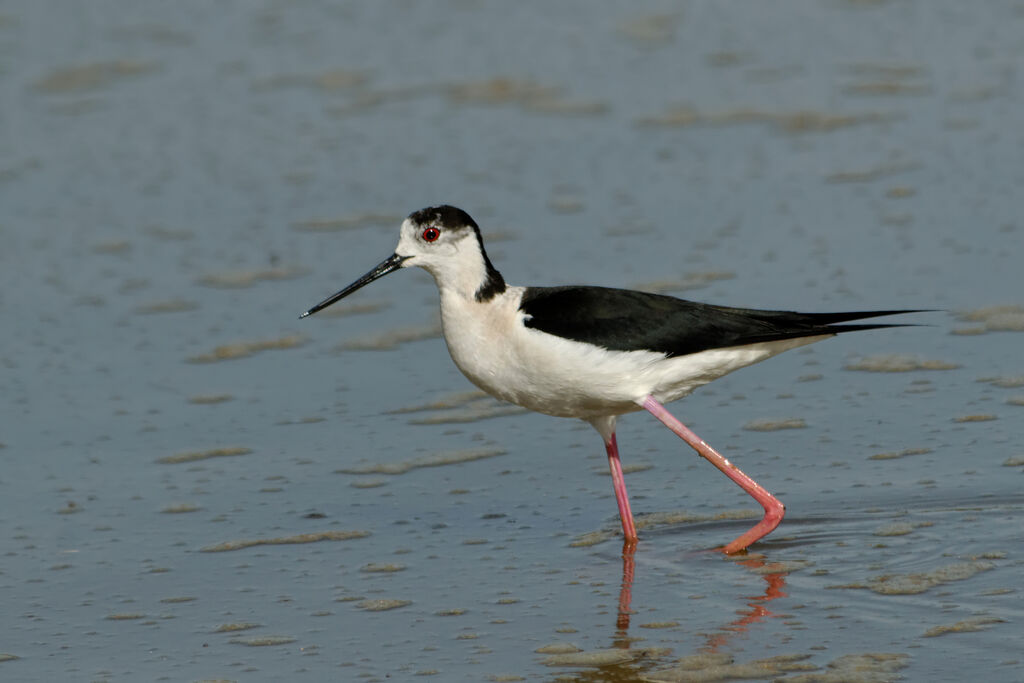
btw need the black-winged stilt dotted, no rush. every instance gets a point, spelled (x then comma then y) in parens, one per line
(594, 353)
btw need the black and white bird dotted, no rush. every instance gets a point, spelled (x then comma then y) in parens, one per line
(594, 353)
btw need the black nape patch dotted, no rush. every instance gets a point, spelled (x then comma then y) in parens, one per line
(493, 285)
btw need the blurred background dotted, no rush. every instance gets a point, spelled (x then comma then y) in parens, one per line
(196, 485)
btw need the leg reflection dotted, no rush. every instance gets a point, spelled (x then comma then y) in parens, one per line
(757, 611)
(625, 594)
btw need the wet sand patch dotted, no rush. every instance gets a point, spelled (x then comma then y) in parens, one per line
(374, 568)
(194, 456)
(920, 582)
(245, 349)
(690, 281)
(393, 338)
(382, 604)
(314, 537)
(350, 222)
(475, 413)
(964, 626)
(897, 362)
(210, 399)
(1004, 318)
(528, 94)
(167, 306)
(873, 173)
(180, 508)
(601, 658)
(867, 667)
(343, 310)
(240, 279)
(93, 76)
(775, 424)
(893, 455)
(238, 626)
(434, 460)
(263, 641)
(807, 121)
(986, 417)
(459, 407)
(1004, 382)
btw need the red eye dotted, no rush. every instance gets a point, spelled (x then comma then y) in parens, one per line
(431, 234)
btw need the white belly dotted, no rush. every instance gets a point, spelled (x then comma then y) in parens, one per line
(549, 374)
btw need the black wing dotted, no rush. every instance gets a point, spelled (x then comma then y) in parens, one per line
(626, 320)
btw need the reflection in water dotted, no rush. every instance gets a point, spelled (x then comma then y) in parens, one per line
(625, 593)
(775, 580)
(636, 661)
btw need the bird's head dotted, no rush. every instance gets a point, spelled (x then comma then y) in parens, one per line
(446, 242)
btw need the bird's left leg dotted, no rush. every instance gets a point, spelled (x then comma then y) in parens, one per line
(773, 508)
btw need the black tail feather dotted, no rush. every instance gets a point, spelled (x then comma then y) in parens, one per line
(831, 318)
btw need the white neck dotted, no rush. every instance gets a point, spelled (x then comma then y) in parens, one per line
(462, 274)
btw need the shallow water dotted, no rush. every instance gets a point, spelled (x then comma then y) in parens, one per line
(196, 485)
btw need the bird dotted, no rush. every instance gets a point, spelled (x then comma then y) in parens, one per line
(595, 353)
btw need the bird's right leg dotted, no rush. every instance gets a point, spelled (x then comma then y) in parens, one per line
(606, 428)
(619, 484)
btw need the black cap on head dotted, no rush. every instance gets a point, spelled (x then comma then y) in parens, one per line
(446, 216)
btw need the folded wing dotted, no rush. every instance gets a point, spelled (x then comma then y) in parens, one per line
(626, 320)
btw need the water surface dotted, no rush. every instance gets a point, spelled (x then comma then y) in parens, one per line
(196, 485)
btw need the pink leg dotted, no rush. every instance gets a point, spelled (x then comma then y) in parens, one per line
(773, 509)
(619, 483)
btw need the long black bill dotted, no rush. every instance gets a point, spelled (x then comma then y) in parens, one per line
(391, 263)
